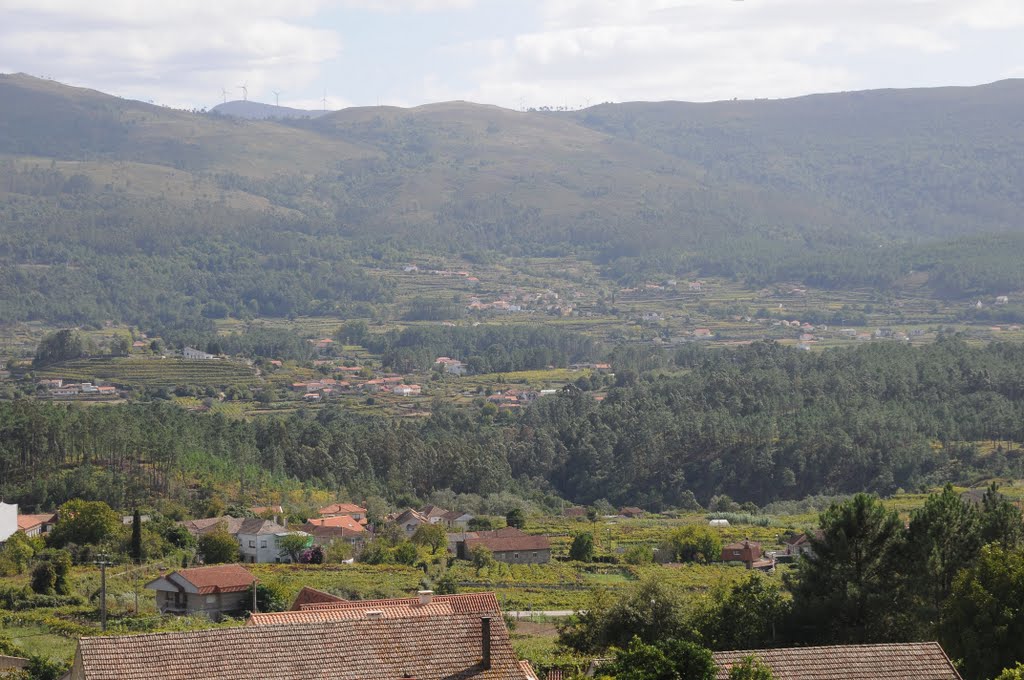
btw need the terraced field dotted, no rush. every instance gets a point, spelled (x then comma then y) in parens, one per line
(154, 372)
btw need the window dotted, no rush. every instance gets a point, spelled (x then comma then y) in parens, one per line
(534, 555)
(210, 599)
(515, 556)
(735, 553)
(263, 544)
(252, 544)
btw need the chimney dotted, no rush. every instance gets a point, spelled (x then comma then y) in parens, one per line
(375, 614)
(426, 596)
(485, 641)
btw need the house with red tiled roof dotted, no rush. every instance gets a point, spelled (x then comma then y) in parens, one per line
(338, 509)
(410, 520)
(198, 527)
(341, 521)
(457, 646)
(897, 661)
(214, 591)
(37, 525)
(746, 551)
(456, 519)
(425, 604)
(509, 545)
(433, 513)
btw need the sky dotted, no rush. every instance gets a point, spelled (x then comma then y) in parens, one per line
(513, 53)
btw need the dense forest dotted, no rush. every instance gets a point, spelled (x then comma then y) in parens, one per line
(759, 423)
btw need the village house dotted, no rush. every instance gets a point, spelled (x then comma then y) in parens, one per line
(800, 544)
(199, 527)
(259, 541)
(272, 511)
(702, 333)
(451, 366)
(345, 522)
(368, 643)
(745, 551)
(193, 353)
(214, 591)
(404, 390)
(457, 520)
(632, 513)
(433, 513)
(848, 662)
(509, 545)
(409, 521)
(348, 509)
(37, 525)
(324, 534)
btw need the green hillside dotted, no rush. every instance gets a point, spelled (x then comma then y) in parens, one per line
(114, 209)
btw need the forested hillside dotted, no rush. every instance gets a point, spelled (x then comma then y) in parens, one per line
(141, 213)
(761, 423)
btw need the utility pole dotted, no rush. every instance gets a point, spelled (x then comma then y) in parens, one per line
(255, 609)
(102, 562)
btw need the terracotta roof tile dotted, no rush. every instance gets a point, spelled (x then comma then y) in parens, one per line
(26, 522)
(311, 595)
(508, 539)
(903, 661)
(221, 578)
(341, 508)
(429, 648)
(342, 521)
(198, 527)
(394, 608)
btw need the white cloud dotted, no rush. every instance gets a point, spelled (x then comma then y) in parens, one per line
(176, 53)
(542, 52)
(622, 50)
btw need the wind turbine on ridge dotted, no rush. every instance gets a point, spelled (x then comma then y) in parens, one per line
(224, 92)
(277, 97)
(244, 87)
(324, 100)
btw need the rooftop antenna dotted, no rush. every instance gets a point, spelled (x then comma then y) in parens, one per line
(277, 97)
(244, 87)
(224, 91)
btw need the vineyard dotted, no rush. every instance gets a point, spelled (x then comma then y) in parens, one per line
(153, 372)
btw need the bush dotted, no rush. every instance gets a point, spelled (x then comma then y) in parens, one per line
(218, 547)
(582, 549)
(639, 554)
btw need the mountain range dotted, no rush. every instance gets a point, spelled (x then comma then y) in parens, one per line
(763, 189)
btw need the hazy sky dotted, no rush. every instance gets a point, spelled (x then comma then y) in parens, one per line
(508, 52)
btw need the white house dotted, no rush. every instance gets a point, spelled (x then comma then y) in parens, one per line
(193, 353)
(407, 390)
(410, 520)
(259, 540)
(451, 366)
(8, 520)
(457, 520)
